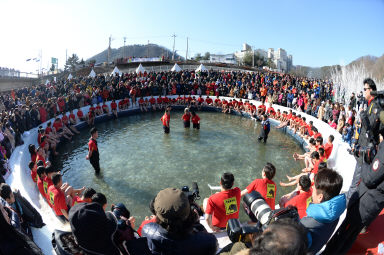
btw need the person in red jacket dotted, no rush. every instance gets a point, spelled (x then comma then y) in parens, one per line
(300, 198)
(265, 186)
(195, 120)
(186, 118)
(114, 108)
(166, 119)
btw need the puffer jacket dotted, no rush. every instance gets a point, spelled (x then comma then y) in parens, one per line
(162, 243)
(321, 221)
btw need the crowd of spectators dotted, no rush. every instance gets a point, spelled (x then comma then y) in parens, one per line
(27, 108)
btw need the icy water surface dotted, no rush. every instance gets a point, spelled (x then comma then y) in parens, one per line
(137, 159)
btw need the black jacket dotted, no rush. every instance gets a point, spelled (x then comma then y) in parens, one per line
(162, 243)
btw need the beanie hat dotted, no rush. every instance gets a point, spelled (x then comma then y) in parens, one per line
(171, 203)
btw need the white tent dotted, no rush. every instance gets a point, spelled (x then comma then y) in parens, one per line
(140, 69)
(70, 76)
(116, 70)
(201, 68)
(176, 68)
(92, 74)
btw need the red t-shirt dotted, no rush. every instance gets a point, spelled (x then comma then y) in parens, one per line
(152, 100)
(200, 100)
(159, 100)
(165, 119)
(92, 145)
(77, 200)
(57, 125)
(266, 188)
(72, 117)
(141, 101)
(57, 200)
(64, 119)
(195, 119)
(301, 202)
(328, 149)
(208, 100)
(317, 135)
(186, 117)
(271, 111)
(224, 206)
(48, 130)
(80, 114)
(40, 186)
(47, 182)
(34, 175)
(113, 106)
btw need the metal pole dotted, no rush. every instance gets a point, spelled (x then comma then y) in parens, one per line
(253, 56)
(148, 50)
(124, 47)
(186, 54)
(174, 38)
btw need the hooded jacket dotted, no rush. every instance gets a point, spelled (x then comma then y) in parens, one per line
(321, 221)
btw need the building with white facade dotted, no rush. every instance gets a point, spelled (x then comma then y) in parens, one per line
(223, 58)
(282, 60)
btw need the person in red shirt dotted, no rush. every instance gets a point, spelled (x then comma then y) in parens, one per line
(32, 167)
(222, 206)
(105, 108)
(195, 120)
(91, 118)
(159, 102)
(93, 151)
(265, 186)
(286, 120)
(300, 198)
(186, 118)
(261, 109)
(142, 105)
(121, 105)
(217, 102)
(40, 184)
(208, 100)
(329, 146)
(114, 108)
(86, 197)
(72, 118)
(166, 119)
(80, 115)
(98, 110)
(57, 198)
(152, 101)
(271, 112)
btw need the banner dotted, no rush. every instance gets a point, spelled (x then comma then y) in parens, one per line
(54, 61)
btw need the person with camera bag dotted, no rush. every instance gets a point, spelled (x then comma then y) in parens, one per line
(369, 135)
(366, 207)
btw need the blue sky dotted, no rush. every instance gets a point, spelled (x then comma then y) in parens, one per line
(316, 33)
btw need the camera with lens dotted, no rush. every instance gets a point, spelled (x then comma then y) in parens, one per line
(259, 212)
(367, 152)
(193, 195)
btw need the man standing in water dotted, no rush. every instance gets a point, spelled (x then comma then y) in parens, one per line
(165, 119)
(93, 151)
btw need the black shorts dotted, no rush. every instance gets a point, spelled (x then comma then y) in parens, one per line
(187, 124)
(166, 129)
(196, 125)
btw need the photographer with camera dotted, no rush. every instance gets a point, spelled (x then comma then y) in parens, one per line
(368, 140)
(367, 204)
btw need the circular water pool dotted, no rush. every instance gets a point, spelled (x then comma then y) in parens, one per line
(137, 159)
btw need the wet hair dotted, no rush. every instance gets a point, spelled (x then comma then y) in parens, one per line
(32, 149)
(269, 170)
(99, 198)
(56, 177)
(329, 183)
(305, 182)
(314, 129)
(40, 171)
(321, 151)
(5, 191)
(319, 140)
(40, 163)
(88, 193)
(31, 164)
(370, 83)
(282, 237)
(322, 165)
(227, 180)
(93, 130)
(315, 155)
(332, 138)
(312, 141)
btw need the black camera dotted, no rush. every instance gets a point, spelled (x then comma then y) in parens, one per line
(367, 152)
(379, 97)
(193, 195)
(259, 212)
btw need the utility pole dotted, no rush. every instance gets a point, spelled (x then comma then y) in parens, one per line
(66, 53)
(174, 38)
(148, 49)
(109, 49)
(253, 56)
(124, 47)
(186, 54)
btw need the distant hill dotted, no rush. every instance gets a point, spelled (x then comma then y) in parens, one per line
(137, 50)
(373, 64)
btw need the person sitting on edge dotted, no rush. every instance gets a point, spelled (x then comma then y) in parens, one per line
(57, 198)
(301, 197)
(173, 231)
(328, 147)
(224, 205)
(265, 186)
(324, 212)
(80, 115)
(86, 197)
(101, 199)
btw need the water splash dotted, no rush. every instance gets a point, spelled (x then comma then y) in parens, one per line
(350, 79)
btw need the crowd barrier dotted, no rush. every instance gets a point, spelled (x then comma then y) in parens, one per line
(20, 178)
